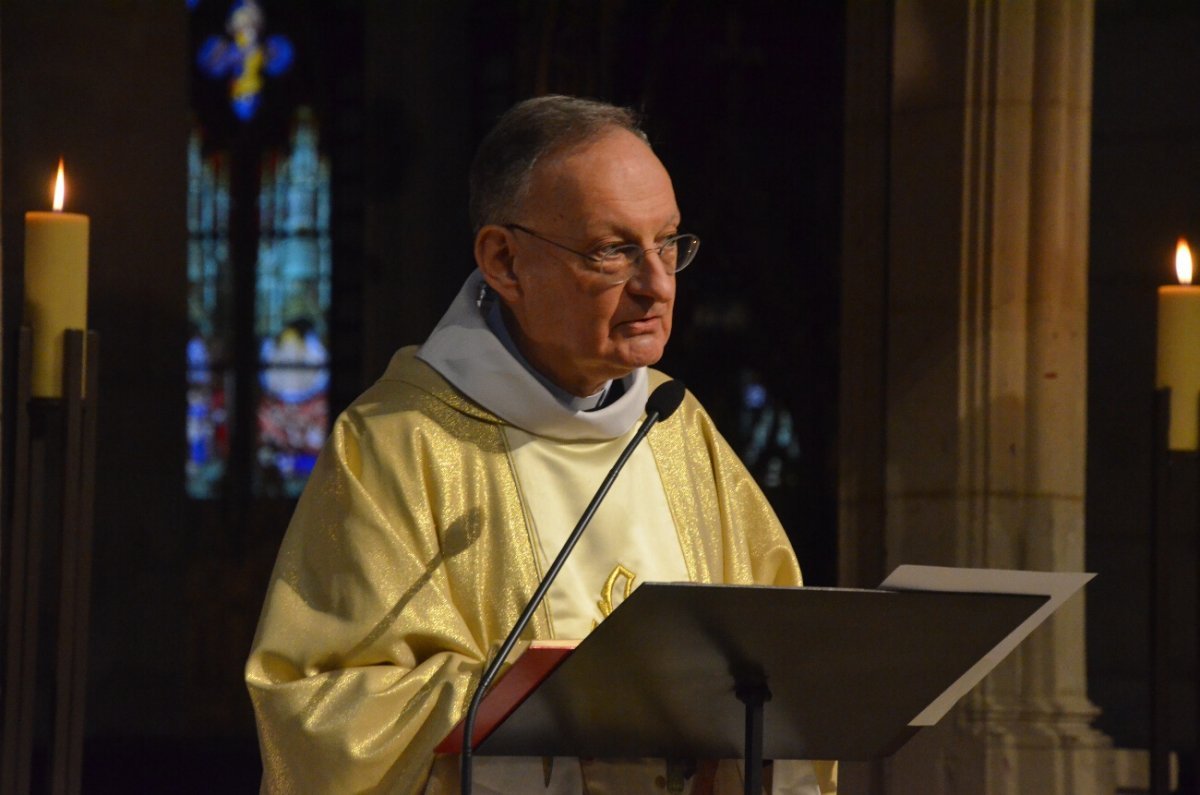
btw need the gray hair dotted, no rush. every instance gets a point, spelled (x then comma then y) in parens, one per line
(528, 132)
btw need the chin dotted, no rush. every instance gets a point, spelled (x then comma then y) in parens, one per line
(642, 357)
(630, 353)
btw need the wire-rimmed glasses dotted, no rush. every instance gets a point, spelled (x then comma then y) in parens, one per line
(616, 262)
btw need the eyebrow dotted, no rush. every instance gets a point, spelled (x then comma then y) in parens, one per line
(623, 232)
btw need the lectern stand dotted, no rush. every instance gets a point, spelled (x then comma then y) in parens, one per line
(686, 671)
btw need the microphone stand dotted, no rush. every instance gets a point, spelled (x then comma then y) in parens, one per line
(654, 413)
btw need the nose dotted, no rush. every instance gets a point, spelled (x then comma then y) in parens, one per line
(652, 277)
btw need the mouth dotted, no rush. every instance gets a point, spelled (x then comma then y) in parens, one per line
(641, 325)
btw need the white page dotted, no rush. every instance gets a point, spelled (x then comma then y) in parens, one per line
(1057, 585)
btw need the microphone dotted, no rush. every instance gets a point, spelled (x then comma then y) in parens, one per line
(661, 404)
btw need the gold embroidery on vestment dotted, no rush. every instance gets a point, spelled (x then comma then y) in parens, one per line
(606, 594)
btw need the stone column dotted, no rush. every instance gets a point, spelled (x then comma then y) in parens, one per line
(982, 361)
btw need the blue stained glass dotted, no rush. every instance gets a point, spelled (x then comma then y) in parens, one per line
(209, 306)
(294, 277)
(244, 57)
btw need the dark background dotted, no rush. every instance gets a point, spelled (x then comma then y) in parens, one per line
(744, 105)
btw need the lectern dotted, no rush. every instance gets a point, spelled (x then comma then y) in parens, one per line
(687, 671)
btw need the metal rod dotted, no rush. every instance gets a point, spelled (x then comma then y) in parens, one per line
(14, 764)
(753, 694)
(38, 464)
(71, 636)
(1160, 603)
(83, 572)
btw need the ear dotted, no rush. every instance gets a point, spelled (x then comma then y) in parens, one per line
(495, 254)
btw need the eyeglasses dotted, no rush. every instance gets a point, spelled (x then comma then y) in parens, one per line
(616, 263)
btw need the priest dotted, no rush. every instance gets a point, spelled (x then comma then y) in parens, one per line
(446, 489)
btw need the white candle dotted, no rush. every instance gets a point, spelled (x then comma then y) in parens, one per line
(1179, 351)
(56, 276)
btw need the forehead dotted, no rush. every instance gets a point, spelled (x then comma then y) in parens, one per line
(612, 182)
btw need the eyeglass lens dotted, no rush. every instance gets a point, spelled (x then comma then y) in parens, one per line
(675, 253)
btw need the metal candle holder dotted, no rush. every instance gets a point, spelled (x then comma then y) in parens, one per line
(1176, 490)
(49, 547)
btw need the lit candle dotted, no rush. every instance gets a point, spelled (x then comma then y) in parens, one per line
(56, 275)
(1179, 350)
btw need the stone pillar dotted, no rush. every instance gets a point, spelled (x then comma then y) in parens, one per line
(980, 356)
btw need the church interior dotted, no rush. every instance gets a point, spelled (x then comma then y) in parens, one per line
(924, 315)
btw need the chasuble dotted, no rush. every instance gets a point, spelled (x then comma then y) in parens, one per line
(426, 526)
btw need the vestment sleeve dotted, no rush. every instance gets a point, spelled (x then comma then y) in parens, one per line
(362, 662)
(754, 538)
(727, 529)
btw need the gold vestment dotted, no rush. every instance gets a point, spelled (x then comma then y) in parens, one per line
(408, 561)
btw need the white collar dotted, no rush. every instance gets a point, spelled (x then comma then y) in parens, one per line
(467, 354)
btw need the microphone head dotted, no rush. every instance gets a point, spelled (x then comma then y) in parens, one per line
(665, 399)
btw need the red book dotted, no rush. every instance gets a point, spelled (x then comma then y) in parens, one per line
(536, 663)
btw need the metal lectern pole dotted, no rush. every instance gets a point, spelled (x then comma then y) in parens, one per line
(753, 694)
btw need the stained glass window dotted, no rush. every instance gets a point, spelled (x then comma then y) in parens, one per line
(245, 57)
(293, 277)
(261, 255)
(291, 311)
(210, 320)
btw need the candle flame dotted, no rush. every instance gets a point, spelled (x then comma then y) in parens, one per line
(1183, 262)
(60, 188)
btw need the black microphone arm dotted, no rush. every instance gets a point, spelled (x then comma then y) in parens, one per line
(661, 404)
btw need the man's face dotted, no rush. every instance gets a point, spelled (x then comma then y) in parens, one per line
(574, 328)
